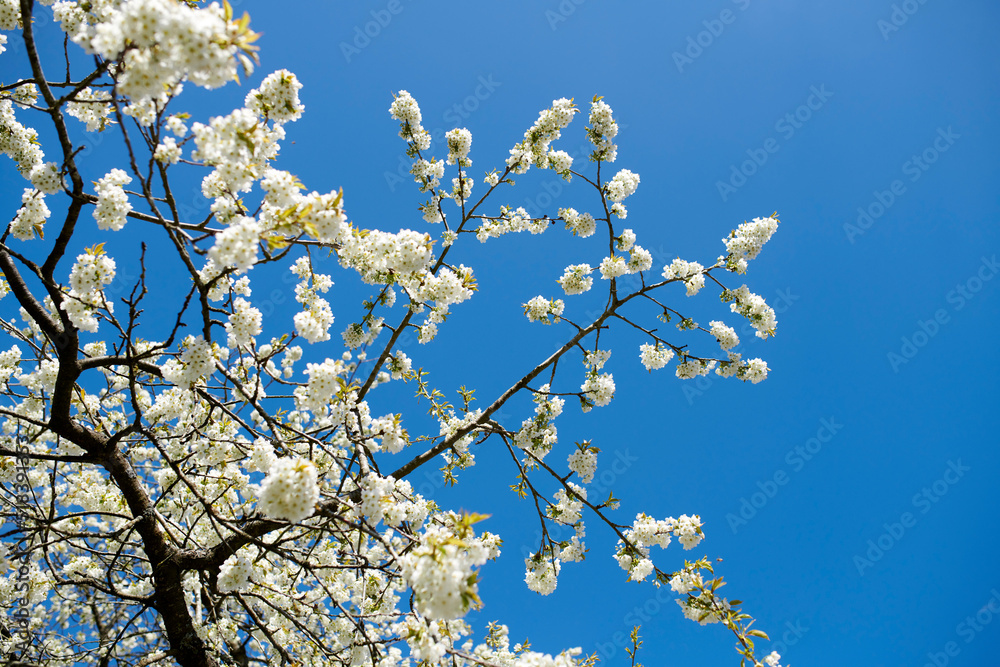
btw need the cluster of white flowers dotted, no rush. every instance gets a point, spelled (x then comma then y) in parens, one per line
(392, 501)
(538, 434)
(440, 569)
(280, 188)
(262, 457)
(353, 335)
(602, 130)
(686, 580)
(46, 178)
(222, 285)
(622, 185)
(196, 361)
(426, 332)
(399, 365)
(569, 506)
(91, 107)
(461, 190)
(376, 253)
(82, 566)
(321, 216)
(459, 142)
(167, 152)
(725, 335)
(647, 532)
(25, 93)
(575, 551)
(542, 573)
(546, 311)
(393, 437)
(405, 109)
(244, 323)
(584, 462)
(428, 173)
(690, 272)
(595, 360)
(581, 224)
(745, 242)
(17, 141)
(175, 124)
(516, 220)
(625, 240)
(613, 267)
(277, 98)
(598, 390)
(112, 203)
(561, 162)
(290, 489)
(534, 149)
(239, 146)
(9, 361)
(431, 210)
(91, 272)
(754, 308)
(163, 42)
(30, 219)
(145, 110)
(236, 245)
(754, 370)
(773, 659)
(704, 609)
(576, 279)
(10, 15)
(313, 322)
(322, 384)
(234, 574)
(688, 531)
(639, 260)
(450, 425)
(654, 356)
(689, 368)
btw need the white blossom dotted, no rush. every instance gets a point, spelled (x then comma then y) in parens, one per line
(290, 490)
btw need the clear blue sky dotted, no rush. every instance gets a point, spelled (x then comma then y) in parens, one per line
(843, 110)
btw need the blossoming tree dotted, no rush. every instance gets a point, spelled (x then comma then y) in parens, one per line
(200, 497)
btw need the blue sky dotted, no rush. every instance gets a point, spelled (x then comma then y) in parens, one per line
(881, 404)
